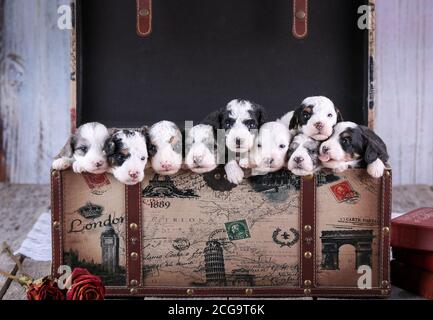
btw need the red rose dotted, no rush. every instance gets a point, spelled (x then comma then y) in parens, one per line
(85, 286)
(44, 289)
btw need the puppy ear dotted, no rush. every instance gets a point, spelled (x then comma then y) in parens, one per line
(151, 149)
(294, 123)
(260, 114)
(68, 149)
(375, 148)
(339, 115)
(109, 146)
(214, 119)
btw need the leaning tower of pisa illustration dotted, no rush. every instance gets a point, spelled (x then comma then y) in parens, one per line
(214, 264)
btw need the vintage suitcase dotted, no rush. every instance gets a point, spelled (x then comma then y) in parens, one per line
(139, 62)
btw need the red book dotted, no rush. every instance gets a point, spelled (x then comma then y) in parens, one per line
(416, 258)
(412, 279)
(414, 230)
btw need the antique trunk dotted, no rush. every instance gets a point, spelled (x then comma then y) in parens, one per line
(139, 62)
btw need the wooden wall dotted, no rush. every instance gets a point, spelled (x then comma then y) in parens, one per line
(34, 81)
(405, 86)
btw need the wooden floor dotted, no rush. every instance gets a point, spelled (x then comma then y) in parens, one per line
(21, 205)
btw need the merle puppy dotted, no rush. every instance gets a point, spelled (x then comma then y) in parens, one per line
(127, 155)
(315, 118)
(241, 120)
(201, 149)
(166, 145)
(354, 146)
(84, 150)
(303, 156)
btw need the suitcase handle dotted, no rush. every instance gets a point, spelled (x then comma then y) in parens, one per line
(299, 29)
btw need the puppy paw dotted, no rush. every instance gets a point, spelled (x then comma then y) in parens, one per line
(244, 163)
(61, 164)
(78, 168)
(234, 173)
(341, 168)
(376, 169)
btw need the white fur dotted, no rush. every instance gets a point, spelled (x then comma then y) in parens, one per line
(131, 171)
(165, 135)
(270, 148)
(235, 174)
(376, 169)
(306, 167)
(200, 154)
(240, 111)
(92, 136)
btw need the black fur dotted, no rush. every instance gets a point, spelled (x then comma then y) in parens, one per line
(113, 150)
(365, 143)
(151, 148)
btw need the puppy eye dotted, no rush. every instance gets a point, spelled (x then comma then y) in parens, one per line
(282, 146)
(345, 141)
(306, 115)
(251, 126)
(143, 158)
(83, 149)
(330, 115)
(227, 125)
(259, 145)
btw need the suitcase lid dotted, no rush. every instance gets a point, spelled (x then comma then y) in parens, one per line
(203, 53)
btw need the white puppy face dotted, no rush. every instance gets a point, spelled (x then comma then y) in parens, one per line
(166, 140)
(84, 150)
(269, 153)
(127, 154)
(303, 156)
(201, 151)
(315, 118)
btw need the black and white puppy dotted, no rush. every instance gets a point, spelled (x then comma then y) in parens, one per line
(241, 120)
(201, 149)
(269, 153)
(84, 150)
(315, 118)
(303, 156)
(127, 155)
(354, 146)
(166, 147)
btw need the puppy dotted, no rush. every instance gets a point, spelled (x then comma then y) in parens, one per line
(269, 153)
(315, 118)
(127, 155)
(166, 148)
(241, 119)
(201, 151)
(84, 150)
(354, 146)
(303, 156)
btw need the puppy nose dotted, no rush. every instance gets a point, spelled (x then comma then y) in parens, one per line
(133, 174)
(166, 165)
(269, 161)
(319, 125)
(99, 164)
(299, 160)
(325, 149)
(198, 160)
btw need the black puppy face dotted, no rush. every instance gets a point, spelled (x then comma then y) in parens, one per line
(351, 142)
(315, 118)
(240, 119)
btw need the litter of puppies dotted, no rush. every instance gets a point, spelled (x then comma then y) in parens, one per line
(236, 137)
